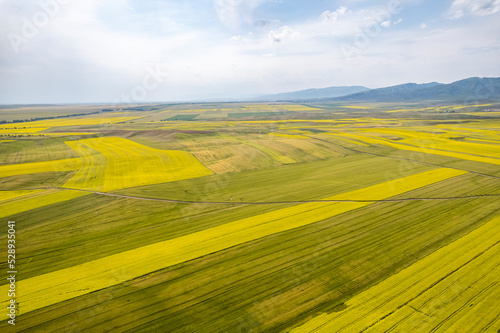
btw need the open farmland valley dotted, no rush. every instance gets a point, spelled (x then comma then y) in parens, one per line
(252, 217)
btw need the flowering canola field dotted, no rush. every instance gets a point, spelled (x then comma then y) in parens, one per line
(300, 220)
(432, 295)
(114, 163)
(41, 290)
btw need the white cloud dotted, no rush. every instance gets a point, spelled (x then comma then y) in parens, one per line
(95, 50)
(329, 16)
(284, 34)
(386, 24)
(344, 22)
(459, 8)
(236, 38)
(80, 54)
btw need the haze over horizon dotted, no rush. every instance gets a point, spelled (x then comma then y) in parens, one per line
(55, 51)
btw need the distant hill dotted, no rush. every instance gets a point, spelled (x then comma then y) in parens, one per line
(321, 93)
(388, 94)
(465, 91)
(460, 91)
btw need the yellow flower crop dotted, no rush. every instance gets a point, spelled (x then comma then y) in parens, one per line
(7, 195)
(54, 287)
(36, 200)
(114, 163)
(68, 164)
(434, 292)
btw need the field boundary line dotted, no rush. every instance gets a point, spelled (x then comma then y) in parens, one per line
(286, 202)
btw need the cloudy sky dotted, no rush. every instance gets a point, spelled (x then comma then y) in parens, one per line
(70, 51)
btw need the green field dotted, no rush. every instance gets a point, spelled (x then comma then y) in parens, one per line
(252, 218)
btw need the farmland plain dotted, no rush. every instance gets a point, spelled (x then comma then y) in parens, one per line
(253, 218)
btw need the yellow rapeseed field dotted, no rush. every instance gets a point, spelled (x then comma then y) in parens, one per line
(7, 195)
(68, 164)
(433, 295)
(355, 107)
(113, 163)
(54, 287)
(399, 186)
(462, 151)
(36, 199)
(399, 110)
(72, 122)
(12, 130)
(433, 144)
(478, 128)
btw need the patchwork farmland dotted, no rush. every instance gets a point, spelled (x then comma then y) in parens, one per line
(254, 218)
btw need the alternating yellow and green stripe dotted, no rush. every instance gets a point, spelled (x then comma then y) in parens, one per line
(51, 288)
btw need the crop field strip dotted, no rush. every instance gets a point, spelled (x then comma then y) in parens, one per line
(6, 195)
(468, 185)
(22, 130)
(423, 156)
(386, 306)
(445, 143)
(464, 290)
(25, 151)
(36, 199)
(461, 149)
(107, 229)
(212, 240)
(178, 290)
(450, 153)
(114, 163)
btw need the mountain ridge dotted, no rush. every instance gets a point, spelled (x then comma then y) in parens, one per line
(473, 88)
(465, 90)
